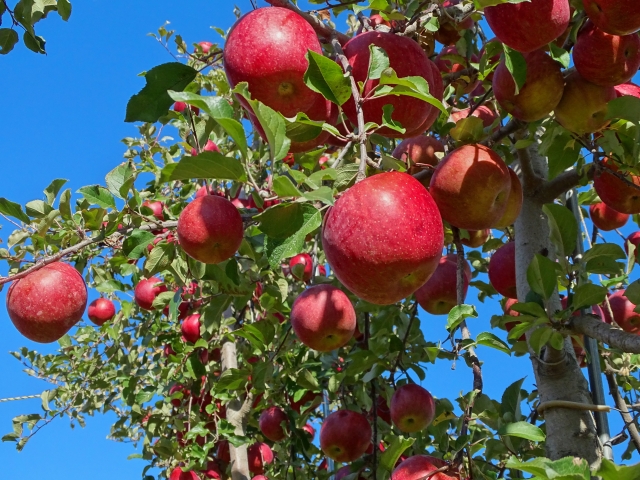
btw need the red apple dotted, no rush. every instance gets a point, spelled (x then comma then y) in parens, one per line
(615, 192)
(606, 218)
(345, 435)
(583, 107)
(272, 60)
(412, 408)
(528, 26)
(634, 239)
(474, 238)
(210, 229)
(449, 60)
(271, 423)
(399, 237)
(156, 208)
(508, 311)
(101, 310)
(605, 59)
(376, 20)
(46, 303)
(259, 477)
(617, 17)
(214, 470)
(541, 92)
(514, 203)
(623, 313)
(310, 430)
(502, 270)
(181, 106)
(407, 59)
(630, 89)
(147, 290)
(418, 152)
(259, 454)
(205, 46)
(345, 471)
(439, 295)
(223, 454)
(419, 466)
(306, 269)
(483, 112)
(323, 318)
(179, 474)
(289, 160)
(471, 187)
(190, 328)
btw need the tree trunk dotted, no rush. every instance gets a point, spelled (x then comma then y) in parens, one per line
(558, 375)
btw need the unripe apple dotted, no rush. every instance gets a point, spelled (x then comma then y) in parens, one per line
(634, 239)
(259, 454)
(471, 187)
(412, 408)
(476, 238)
(617, 17)
(147, 290)
(156, 208)
(46, 303)
(210, 229)
(483, 112)
(606, 218)
(345, 435)
(528, 26)
(502, 270)
(306, 262)
(514, 203)
(398, 222)
(623, 313)
(616, 193)
(179, 474)
(439, 294)
(101, 310)
(190, 328)
(418, 467)
(323, 318)
(271, 423)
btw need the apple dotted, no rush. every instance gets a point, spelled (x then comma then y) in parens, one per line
(179, 474)
(156, 208)
(345, 471)
(418, 467)
(210, 146)
(323, 318)
(439, 295)
(483, 112)
(306, 269)
(617, 17)
(205, 46)
(508, 311)
(630, 89)
(259, 477)
(176, 402)
(181, 107)
(399, 237)
(615, 192)
(502, 270)
(289, 160)
(583, 107)
(46, 303)
(474, 238)
(345, 435)
(101, 310)
(272, 60)
(514, 203)
(436, 89)
(471, 187)
(190, 328)
(210, 229)
(147, 290)
(449, 60)
(223, 454)
(271, 423)
(412, 408)
(606, 218)
(407, 59)
(259, 454)
(605, 59)
(528, 26)
(376, 20)
(634, 239)
(418, 152)
(541, 92)
(623, 313)
(214, 470)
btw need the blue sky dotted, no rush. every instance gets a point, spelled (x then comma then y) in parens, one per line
(64, 119)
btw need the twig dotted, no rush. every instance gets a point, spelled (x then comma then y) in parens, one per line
(414, 314)
(629, 423)
(342, 154)
(512, 127)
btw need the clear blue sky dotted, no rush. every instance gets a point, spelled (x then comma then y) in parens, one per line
(64, 119)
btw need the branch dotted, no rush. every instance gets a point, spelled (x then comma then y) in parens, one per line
(323, 31)
(512, 127)
(414, 314)
(629, 423)
(531, 181)
(594, 327)
(564, 182)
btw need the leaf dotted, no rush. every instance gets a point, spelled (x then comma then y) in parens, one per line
(610, 471)
(346, 176)
(13, 210)
(560, 55)
(153, 101)
(38, 208)
(282, 220)
(307, 380)
(8, 40)
(136, 243)
(206, 165)
(392, 454)
(64, 205)
(97, 195)
(561, 149)
(33, 42)
(284, 187)
(511, 399)
(326, 77)
(416, 87)
(120, 180)
(625, 108)
(568, 468)
(378, 62)
(278, 249)
(490, 340)
(563, 227)
(587, 295)
(517, 66)
(611, 250)
(458, 314)
(322, 194)
(530, 308)
(541, 275)
(160, 258)
(64, 9)
(522, 430)
(51, 192)
(632, 292)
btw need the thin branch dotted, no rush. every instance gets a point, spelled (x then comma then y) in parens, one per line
(414, 314)
(629, 423)
(342, 154)
(512, 127)
(564, 182)
(594, 327)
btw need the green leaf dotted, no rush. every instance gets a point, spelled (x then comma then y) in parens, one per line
(610, 471)
(562, 150)
(277, 249)
(284, 187)
(346, 176)
(8, 40)
(64, 9)
(563, 227)
(522, 430)
(539, 338)
(206, 165)
(326, 77)
(610, 250)
(160, 258)
(13, 210)
(322, 194)
(307, 380)
(632, 292)
(416, 87)
(517, 66)
(530, 308)
(625, 108)
(33, 42)
(282, 220)
(120, 180)
(303, 129)
(378, 62)
(51, 192)
(458, 314)
(541, 276)
(560, 55)
(392, 454)
(153, 101)
(38, 208)
(64, 205)
(511, 399)
(315, 179)
(490, 340)
(136, 243)
(97, 195)
(587, 295)
(568, 468)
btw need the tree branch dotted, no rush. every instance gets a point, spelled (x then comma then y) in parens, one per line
(531, 181)
(512, 127)
(629, 423)
(594, 327)
(564, 182)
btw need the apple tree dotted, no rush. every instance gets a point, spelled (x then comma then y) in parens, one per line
(326, 185)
